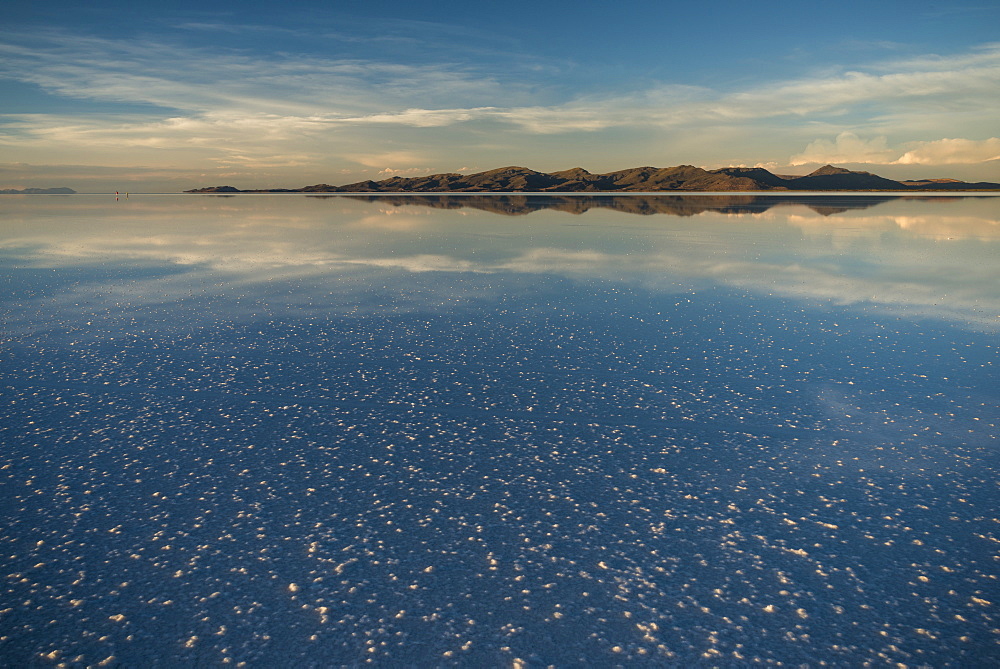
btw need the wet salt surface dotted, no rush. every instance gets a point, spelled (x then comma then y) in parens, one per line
(342, 439)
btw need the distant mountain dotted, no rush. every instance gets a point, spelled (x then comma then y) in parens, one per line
(637, 179)
(949, 184)
(829, 177)
(38, 191)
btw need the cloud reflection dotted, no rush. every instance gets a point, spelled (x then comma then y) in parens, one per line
(920, 257)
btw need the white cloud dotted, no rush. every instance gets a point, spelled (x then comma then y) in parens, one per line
(410, 171)
(846, 148)
(421, 118)
(214, 107)
(951, 152)
(380, 160)
(849, 148)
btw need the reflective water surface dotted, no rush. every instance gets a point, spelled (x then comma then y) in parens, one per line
(497, 430)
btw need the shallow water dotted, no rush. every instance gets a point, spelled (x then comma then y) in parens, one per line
(716, 430)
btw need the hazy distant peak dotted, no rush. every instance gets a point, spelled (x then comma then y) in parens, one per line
(38, 191)
(216, 189)
(829, 169)
(933, 181)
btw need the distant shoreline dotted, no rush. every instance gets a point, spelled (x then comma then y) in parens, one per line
(38, 191)
(596, 193)
(913, 192)
(680, 179)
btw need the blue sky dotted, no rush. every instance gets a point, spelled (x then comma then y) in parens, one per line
(120, 96)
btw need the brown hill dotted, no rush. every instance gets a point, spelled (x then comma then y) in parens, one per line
(829, 177)
(827, 170)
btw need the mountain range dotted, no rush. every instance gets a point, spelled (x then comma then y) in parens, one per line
(637, 179)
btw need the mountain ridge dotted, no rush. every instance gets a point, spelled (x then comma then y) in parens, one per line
(517, 179)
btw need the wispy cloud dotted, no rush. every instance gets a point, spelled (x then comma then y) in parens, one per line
(203, 80)
(224, 107)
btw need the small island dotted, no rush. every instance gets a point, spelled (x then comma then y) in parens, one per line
(38, 191)
(638, 179)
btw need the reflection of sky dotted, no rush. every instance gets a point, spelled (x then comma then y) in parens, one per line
(933, 257)
(284, 430)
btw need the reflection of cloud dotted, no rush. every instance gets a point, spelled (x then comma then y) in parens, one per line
(424, 262)
(392, 219)
(930, 226)
(550, 260)
(900, 262)
(911, 294)
(904, 284)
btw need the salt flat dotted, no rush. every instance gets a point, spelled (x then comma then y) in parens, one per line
(283, 429)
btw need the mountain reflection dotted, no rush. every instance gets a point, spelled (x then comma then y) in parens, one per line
(919, 256)
(643, 205)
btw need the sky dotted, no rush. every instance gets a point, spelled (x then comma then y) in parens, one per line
(109, 95)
